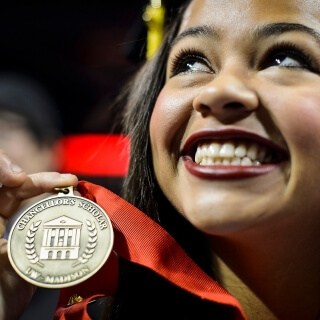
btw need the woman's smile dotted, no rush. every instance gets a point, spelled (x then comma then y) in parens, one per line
(231, 154)
(241, 105)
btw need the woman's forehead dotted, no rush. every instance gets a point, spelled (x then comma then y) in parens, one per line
(236, 13)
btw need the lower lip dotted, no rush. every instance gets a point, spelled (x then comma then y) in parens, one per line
(224, 172)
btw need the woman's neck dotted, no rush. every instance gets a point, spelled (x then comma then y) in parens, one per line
(274, 275)
(253, 307)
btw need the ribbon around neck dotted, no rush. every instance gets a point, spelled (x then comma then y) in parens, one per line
(141, 240)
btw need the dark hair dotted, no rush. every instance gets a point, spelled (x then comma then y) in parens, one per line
(141, 292)
(140, 186)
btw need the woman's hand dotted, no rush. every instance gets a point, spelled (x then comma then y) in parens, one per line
(16, 186)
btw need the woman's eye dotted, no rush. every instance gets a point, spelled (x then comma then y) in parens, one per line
(187, 62)
(284, 60)
(196, 66)
(287, 56)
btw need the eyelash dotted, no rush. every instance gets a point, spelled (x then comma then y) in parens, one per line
(178, 63)
(290, 49)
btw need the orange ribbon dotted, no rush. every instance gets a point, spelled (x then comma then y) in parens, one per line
(141, 240)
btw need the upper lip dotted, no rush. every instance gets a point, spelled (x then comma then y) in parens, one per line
(190, 145)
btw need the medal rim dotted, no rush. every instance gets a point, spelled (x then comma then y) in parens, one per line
(60, 286)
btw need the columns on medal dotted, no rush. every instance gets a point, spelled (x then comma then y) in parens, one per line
(61, 239)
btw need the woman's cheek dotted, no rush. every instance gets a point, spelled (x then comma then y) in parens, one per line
(156, 122)
(300, 123)
(167, 118)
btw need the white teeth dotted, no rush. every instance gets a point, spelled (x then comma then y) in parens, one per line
(209, 161)
(229, 153)
(236, 161)
(198, 156)
(252, 151)
(204, 151)
(240, 151)
(245, 161)
(213, 150)
(227, 150)
(226, 161)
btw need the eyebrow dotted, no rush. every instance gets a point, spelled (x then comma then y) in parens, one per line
(283, 27)
(263, 31)
(199, 31)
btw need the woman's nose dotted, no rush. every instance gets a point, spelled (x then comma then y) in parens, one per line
(227, 98)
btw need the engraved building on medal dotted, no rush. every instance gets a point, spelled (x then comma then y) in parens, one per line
(61, 239)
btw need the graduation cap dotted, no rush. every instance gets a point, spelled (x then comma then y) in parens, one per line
(111, 151)
(146, 33)
(82, 52)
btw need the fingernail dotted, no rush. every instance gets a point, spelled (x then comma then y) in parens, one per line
(15, 168)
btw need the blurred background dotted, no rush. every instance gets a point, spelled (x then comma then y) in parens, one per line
(62, 63)
(81, 52)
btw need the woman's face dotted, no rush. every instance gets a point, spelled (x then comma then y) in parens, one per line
(235, 132)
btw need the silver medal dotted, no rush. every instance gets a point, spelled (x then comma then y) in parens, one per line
(60, 241)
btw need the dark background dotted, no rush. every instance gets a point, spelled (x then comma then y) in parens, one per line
(81, 51)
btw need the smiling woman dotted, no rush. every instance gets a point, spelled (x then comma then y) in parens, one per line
(223, 123)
